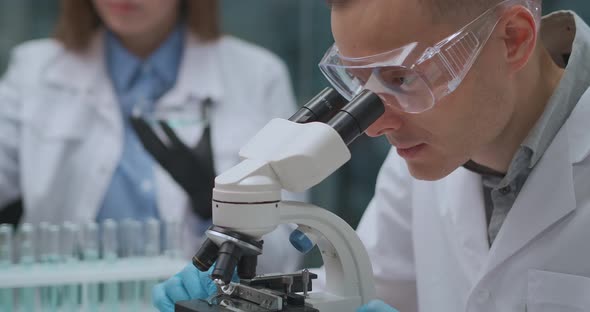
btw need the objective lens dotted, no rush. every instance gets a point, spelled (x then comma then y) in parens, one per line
(229, 255)
(247, 267)
(206, 256)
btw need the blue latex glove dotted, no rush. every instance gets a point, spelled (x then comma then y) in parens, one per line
(190, 283)
(376, 306)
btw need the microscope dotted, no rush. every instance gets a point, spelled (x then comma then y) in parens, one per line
(293, 155)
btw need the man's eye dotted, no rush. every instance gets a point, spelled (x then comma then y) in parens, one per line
(398, 81)
(396, 78)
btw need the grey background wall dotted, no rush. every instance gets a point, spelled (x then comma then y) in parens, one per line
(582, 7)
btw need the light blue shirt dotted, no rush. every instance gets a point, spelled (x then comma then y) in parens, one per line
(137, 82)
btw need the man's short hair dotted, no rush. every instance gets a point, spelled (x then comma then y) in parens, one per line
(445, 10)
(452, 9)
(442, 9)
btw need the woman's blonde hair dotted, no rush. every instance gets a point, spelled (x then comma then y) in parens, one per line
(79, 20)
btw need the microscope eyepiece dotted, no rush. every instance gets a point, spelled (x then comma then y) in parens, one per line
(357, 116)
(321, 108)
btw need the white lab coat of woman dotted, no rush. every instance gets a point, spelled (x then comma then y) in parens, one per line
(61, 131)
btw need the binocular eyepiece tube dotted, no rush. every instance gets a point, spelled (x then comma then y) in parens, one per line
(349, 119)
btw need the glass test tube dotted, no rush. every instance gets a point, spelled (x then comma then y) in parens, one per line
(110, 247)
(172, 239)
(90, 254)
(43, 242)
(152, 237)
(26, 247)
(152, 250)
(90, 241)
(26, 244)
(53, 260)
(43, 257)
(109, 240)
(6, 243)
(132, 238)
(70, 234)
(53, 248)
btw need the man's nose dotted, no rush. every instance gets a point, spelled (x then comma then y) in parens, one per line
(390, 121)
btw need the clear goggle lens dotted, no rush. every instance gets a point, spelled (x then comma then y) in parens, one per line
(414, 77)
(405, 89)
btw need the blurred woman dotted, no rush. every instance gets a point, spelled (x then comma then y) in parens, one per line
(67, 145)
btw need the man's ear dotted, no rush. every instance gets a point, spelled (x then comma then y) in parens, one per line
(519, 33)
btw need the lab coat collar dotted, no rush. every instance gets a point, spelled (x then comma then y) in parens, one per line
(577, 126)
(200, 73)
(84, 75)
(553, 35)
(547, 197)
(199, 77)
(577, 123)
(80, 70)
(464, 214)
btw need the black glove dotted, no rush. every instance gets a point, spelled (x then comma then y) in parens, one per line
(12, 213)
(192, 169)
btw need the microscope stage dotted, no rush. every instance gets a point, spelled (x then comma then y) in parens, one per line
(238, 306)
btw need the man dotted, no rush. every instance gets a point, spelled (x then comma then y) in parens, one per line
(485, 206)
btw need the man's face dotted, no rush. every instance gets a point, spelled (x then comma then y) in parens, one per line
(436, 142)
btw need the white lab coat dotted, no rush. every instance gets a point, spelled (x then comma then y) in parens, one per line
(61, 127)
(428, 240)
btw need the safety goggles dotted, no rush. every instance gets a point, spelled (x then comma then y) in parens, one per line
(416, 76)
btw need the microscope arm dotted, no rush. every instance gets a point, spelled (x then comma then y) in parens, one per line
(247, 202)
(295, 157)
(348, 267)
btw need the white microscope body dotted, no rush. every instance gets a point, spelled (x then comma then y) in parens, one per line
(295, 157)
